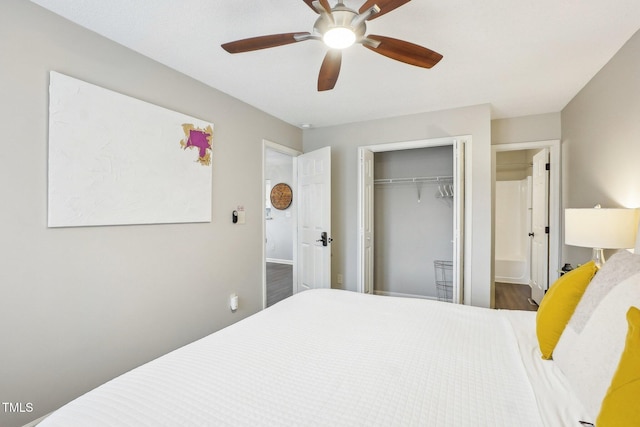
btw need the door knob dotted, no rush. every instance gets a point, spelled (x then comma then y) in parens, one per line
(531, 234)
(324, 239)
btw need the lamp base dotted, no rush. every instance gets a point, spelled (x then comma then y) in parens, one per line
(598, 257)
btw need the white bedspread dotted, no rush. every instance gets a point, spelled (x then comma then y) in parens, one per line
(330, 358)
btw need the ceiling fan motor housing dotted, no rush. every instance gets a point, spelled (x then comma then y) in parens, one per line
(343, 17)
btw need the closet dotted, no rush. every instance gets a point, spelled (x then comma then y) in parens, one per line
(414, 222)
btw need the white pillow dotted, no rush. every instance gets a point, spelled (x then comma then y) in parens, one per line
(620, 266)
(590, 358)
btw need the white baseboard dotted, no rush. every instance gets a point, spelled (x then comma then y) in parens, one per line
(280, 261)
(403, 295)
(510, 281)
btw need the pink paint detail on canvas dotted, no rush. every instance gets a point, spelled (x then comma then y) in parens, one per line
(199, 139)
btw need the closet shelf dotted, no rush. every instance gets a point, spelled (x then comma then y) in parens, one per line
(445, 184)
(417, 179)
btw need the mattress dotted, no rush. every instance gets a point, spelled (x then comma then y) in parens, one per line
(338, 358)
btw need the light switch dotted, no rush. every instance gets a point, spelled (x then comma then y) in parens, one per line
(239, 215)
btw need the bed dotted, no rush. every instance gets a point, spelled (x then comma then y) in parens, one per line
(339, 358)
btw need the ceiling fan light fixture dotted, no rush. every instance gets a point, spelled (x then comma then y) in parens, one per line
(340, 27)
(339, 37)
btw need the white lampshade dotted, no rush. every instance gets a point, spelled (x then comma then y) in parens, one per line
(601, 228)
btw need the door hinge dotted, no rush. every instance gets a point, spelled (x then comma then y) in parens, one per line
(546, 230)
(547, 166)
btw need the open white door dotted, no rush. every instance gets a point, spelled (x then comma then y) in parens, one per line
(540, 226)
(314, 220)
(365, 222)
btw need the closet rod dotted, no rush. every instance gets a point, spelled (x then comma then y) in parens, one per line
(435, 179)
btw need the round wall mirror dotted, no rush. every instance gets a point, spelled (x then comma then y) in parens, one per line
(281, 196)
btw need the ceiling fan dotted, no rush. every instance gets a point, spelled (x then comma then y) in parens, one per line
(340, 27)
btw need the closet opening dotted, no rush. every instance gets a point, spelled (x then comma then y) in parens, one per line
(411, 216)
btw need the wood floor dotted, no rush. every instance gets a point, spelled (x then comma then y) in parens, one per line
(280, 286)
(514, 297)
(279, 282)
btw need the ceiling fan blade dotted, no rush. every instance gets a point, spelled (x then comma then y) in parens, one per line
(310, 4)
(263, 42)
(384, 5)
(329, 70)
(403, 51)
(324, 3)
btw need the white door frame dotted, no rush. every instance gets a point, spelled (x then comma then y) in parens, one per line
(465, 253)
(554, 199)
(283, 149)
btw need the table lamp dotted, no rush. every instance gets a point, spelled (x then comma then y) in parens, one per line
(600, 228)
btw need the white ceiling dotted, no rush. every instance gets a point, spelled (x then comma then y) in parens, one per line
(521, 56)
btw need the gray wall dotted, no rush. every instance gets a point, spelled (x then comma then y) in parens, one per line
(540, 127)
(79, 306)
(601, 140)
(345, 140)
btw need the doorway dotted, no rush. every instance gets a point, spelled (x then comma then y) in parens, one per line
(304, 239)
(280, 224)
(526, 212)
(514, 172)
(420, 187)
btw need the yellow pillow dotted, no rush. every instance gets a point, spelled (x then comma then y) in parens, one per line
(558, 305)
(621, 404)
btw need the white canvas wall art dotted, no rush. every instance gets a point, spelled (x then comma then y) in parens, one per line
(116, 160)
